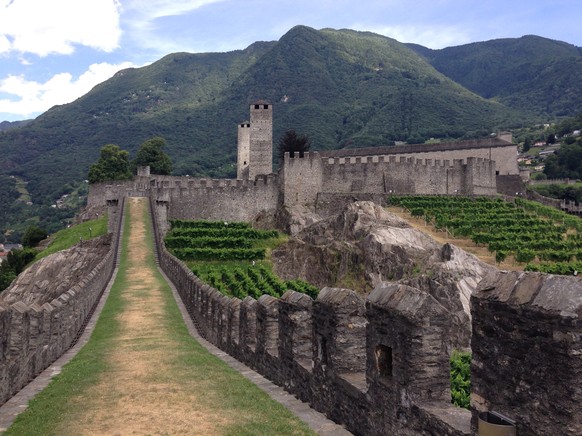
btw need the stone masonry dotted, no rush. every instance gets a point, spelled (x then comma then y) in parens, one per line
(380, 365)
(319, 180)
(37, 327)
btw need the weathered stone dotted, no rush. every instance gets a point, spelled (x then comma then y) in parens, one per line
(526, 351)
(51, 276)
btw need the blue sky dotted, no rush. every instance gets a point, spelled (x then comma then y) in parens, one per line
(54, 51)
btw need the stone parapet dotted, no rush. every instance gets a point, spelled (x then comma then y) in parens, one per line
(33, 336)
(328, 351)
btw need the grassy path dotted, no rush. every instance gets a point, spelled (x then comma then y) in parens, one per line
(141, 372)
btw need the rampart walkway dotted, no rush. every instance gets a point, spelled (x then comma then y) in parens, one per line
(153, 378)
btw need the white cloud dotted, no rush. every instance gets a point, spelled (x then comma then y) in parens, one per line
(145, 21)
(150, 10)
(435, 38)
(31, 98)
(44, 27)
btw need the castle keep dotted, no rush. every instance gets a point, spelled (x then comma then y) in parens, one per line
(255, 142)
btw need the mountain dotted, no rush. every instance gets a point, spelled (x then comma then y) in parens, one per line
(7, 125)
(340, 87)
(530, 74)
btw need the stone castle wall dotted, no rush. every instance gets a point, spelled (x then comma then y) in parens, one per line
(32, 336)
(196, 198)
(527, 351)
(380, 365)
(503, 153)
(334, 352)
(230, 200)
(303, 178)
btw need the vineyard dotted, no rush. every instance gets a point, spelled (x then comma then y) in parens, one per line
(231, 257)
(539, 237)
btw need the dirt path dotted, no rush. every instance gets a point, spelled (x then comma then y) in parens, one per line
(143, 392)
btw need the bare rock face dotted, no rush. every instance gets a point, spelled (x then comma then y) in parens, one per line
(294, 220)
(55, 274)
(366, 246)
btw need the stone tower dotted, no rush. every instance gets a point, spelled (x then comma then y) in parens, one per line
(260, 142)
(243, 150)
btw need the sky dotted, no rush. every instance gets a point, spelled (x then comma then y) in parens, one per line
(54, 51)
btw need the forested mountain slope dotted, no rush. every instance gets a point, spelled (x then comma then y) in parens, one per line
(340, 87)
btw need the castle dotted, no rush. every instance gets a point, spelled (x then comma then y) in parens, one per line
(323, 181)
(379, 364)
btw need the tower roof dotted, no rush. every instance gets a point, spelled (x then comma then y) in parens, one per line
(261, 102)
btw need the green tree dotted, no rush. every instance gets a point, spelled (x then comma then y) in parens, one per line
(551, 139)
(14, 264)
(113, 164)
(7, 275)
(566, 162)
(151, 153)
(33, 235)
(292, 143)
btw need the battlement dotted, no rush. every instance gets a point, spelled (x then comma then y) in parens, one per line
(34, 335)
(308, 156)
(380, 365)
(340, 343)
(421, 148)
(406, 160)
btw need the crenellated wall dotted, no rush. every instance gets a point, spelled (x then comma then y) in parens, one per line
(304, 178)
(196, 198)
(380, 365)
(231, 200)
(527, 351)
(33, 336)
(332, 352)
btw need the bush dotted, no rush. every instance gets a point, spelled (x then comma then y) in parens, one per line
(33, 235)
(461, 378)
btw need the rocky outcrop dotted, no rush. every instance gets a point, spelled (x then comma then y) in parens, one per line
(365, 246)
(53, 275)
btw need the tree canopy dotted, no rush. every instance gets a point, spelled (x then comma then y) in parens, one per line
(565, 163)
(33, 235)
(113, 164)
(293, 142)
(151, 154)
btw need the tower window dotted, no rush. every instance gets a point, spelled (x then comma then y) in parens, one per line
(266, 106)
(257, 106)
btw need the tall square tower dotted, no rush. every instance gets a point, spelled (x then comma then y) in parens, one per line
(255, 142)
